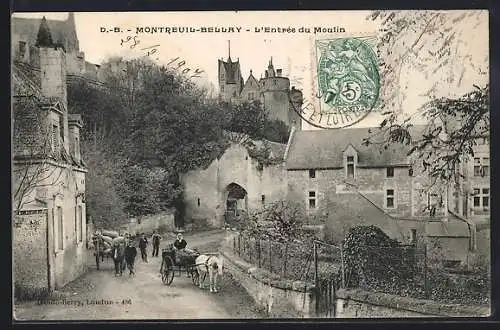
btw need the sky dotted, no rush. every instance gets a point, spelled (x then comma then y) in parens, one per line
(292, 52)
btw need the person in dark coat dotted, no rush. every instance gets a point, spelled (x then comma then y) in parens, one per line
(143, 243)
(130, 254)
(156, 243)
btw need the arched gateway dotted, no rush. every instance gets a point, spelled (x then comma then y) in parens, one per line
(236, 202)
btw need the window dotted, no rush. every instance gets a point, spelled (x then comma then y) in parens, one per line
(482, 166)
(312, 174)
(77, 146)
(251, 96)
(263, 199)
(481, 198)
(413, 236)
(222, 88)
(55, 137)
(389, 198)
(82, 223)
(61, 128)
(77, 225)
(350, 167)
(222, 76)
(199, 202)
(22, 48)
(312, 200)
(59, 239)
(390, 172)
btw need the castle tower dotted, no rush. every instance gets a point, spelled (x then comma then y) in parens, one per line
(296, 102)
(274, 94)
(230, 79)
(52, 59)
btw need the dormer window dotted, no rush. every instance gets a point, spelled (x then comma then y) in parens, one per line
(350, 162)
(350, 167)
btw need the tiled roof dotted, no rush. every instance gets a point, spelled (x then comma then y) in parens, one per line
(277, 149)
(452, 228)
(251, 81)
(27, 28)
(324, 149)
(25, 81)
(231, 70)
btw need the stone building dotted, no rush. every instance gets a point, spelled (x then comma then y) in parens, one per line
(23, 45)
(341, 183)
(273, 91)
(239, 181)
(48, 173)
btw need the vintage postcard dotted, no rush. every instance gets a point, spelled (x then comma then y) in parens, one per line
(250, 165)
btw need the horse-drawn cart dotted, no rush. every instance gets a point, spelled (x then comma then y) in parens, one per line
(169, 265)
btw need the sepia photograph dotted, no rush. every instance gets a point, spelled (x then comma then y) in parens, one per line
(204, 165)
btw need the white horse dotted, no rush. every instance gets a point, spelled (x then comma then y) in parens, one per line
(211, 265)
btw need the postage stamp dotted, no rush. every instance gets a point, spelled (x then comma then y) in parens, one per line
(348, 81)
(255, 165)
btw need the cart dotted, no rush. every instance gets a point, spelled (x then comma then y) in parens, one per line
(169, 267)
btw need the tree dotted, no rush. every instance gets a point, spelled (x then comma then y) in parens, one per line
(103, 184)
(34, 152)
(280, 221)
(438, 54)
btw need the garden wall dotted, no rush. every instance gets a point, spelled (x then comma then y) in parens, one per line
(364, 304)
(163, 222)
(274, 295)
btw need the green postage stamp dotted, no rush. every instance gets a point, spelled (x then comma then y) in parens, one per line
(348, 81)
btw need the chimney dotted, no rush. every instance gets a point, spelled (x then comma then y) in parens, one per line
(278, 72)
(75, 123)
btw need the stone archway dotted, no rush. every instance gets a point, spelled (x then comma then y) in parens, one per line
(236, 202)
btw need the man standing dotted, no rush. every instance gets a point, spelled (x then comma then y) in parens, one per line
(130, 254)
(143, 243)
(156, 243)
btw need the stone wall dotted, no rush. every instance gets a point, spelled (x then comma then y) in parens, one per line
(205, 190)
(371, 182)
(269, 293)
(163, 221)
(362, 304)
(29, 249)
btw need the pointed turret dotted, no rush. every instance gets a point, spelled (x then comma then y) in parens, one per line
(44, 37)
(270, 69)
(71, 19)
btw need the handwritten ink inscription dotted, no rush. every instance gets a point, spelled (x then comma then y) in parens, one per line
(176, 63)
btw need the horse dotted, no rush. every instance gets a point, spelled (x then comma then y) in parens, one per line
(119, 259)
(211, 265)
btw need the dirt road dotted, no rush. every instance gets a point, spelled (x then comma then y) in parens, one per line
(100, 295)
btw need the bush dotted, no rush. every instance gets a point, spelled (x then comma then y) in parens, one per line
(374, 259)
(459, 288)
